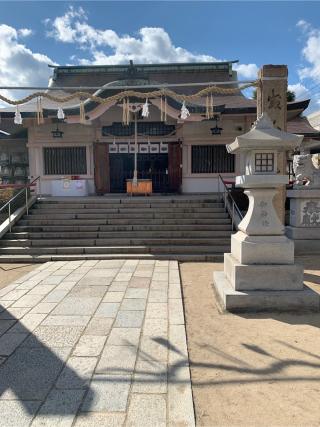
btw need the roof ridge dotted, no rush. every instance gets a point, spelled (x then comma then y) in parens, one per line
(163, 64)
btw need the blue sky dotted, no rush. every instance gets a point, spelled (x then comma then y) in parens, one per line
(256, 33)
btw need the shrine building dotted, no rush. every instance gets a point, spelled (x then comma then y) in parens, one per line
(96, 155)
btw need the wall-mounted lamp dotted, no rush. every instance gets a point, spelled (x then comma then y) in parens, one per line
(57, 133)
(216, 130)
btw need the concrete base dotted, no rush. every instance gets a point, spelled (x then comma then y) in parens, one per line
(306, 240)
(262, 277)
(303, 233)
(305, 247)
(252, 301)
(262, 249)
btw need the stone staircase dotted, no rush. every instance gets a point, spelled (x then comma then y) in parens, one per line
(193, 228)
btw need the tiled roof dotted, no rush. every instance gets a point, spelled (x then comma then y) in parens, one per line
(169, 66)
(171, 73)
(301, 125)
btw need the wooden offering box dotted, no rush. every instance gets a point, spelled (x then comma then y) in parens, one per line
(144, 186)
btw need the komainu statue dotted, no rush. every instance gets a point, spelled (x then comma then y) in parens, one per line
(306, 169)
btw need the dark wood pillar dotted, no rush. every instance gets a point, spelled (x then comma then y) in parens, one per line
(175, 166)
(101, 167)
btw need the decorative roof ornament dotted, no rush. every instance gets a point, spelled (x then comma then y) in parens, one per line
(17, 117)
(184, 111)
(145, 109)
(60, 114)
(133, 73)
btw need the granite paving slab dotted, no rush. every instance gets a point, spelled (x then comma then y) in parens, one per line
(77, 305)
(89, 345)
(95, 343)
(17, 414)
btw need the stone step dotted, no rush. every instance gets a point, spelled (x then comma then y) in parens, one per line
(26, 243)
(74, 250)
(203, 257)
(101, 206)
(186, 228)
(115, 234)
(131, 200)
(142, 215)
(104, 212)
(220, 225)
(125, 221)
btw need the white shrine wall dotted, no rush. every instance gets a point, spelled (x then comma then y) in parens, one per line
(40, 137)
(200, 134)
(189, 133)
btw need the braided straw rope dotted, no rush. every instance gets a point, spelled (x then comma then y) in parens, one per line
(131, 93)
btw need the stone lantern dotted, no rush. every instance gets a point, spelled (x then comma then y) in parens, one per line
(260, 273)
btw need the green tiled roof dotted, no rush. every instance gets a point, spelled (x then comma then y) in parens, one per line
(188, 66)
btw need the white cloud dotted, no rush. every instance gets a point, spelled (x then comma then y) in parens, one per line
(247, 71)
(20, 66)
(304, 25)
(25, 32)
(150, 45)
(300, 90)
(310, 51)
(62, 28)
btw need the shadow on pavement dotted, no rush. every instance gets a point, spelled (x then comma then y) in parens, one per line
(29, 370)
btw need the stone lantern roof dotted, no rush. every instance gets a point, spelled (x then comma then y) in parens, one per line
(264, 135)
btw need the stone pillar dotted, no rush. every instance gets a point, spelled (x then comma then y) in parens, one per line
(272, 99)
(272, 94)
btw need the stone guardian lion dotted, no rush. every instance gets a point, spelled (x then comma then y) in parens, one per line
(303, 168)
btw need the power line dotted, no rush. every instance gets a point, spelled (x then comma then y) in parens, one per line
(310, 91)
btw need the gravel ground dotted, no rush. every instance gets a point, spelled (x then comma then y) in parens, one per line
(251, 370)
(10, 272)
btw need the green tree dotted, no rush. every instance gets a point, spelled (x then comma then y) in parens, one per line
(291, 96)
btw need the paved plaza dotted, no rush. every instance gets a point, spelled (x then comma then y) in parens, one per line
(95, 343)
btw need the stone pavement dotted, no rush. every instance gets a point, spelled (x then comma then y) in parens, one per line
(95, 343)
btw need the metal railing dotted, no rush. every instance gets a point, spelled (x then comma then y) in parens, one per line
(17, 201)
(229, 203)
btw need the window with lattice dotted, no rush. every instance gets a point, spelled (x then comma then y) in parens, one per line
(264, 162)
